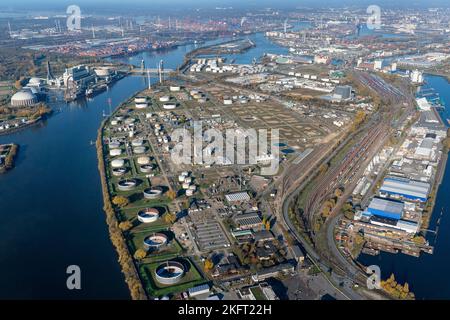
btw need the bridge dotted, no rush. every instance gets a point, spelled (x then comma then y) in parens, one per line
(154, 71)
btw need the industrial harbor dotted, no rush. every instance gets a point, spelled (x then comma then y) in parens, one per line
(213, 157)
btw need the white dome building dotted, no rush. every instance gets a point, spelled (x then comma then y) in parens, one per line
(24, 98)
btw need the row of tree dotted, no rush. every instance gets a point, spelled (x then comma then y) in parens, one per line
(396, 290)
(115, 230)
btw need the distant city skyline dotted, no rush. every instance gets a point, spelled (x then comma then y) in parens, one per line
(50, 4)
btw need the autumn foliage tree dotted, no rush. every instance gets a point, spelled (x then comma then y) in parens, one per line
(171, 194)
(396, 290)
(170, 217)
(120, 201)
(125, 225)
(140, 254)
(208, 264)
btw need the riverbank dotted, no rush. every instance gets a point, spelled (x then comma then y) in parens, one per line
(429, 268)
(125, 259)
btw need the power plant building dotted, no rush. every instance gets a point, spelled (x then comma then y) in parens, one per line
(79, 75)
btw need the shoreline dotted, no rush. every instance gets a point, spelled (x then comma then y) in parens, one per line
(117, 238)
(10, 158)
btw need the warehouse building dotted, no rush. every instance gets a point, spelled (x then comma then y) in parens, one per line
(405, 189)
(237, 197)
(386, 208)
(250, 220)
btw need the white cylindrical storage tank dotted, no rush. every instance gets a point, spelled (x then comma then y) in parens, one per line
(186, 185)
(175, 88)
(137, 142)
(189, 192)
(114, 145)
(117, 163)
(188, 180)
(169, 106)
(181, 178)
(140, 100)
(114, 122)
(129, 121)
(227, 101)
(164, 99)
(141, 105)
(143, 160)
(115, 152)
(193, 187)
(148, 115)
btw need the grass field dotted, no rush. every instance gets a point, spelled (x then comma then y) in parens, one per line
(154, 289)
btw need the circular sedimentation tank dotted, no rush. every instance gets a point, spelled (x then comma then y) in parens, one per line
(148, 215)
(117, 163)
(127, 184)
(155, 241)
(153, 193)
(117, 172)
(169, 272)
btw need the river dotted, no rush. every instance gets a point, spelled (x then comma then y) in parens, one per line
(51, 202)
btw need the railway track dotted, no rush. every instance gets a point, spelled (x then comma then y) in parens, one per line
(343, 172)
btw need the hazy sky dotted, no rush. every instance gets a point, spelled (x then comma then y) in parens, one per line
(48, 4)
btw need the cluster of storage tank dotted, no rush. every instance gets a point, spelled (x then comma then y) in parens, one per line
(114, 149)
(198, 95)
(186, 181)
(124, 125)
(141, 102)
